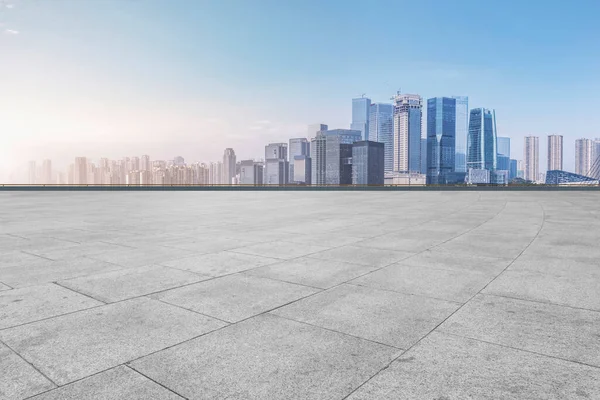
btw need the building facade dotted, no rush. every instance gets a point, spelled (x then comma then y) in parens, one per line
(482, 140)
(276, 171)
(229, 162)
(361, 108)
(462, 131)
(331, 156)
(408, 118)
(297, 147)
(302, 170)
(441, 139)
(381, 129)
(555, 153)
(368, 163)
(531, 156)
(584, 156)
(503, 146)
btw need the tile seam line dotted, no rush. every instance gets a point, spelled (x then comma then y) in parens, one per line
(29, 363)
(518, 349)
(194, 311)
(79, 293)
(434, 328)
(156, 382)
(339, 332)
(403, 293)
(547, 303)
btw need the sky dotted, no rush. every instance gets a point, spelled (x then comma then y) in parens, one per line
(119, 78)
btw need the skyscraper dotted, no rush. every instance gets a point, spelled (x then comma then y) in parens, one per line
(251, 173)
(81, 171)
(423, 156)
(229, 162)
(146, 163)
(408, 116)
(381, 129)
(47, 172)
(331, 155)
(313, 129)
(503, 146)
(584, 154)
(298, 147)
(555, 152)
(462, 131)
(276, 170)
(368, 163)
(531, 156)
(512, 169)
(482, 140)
(441, 139)
(360, 116)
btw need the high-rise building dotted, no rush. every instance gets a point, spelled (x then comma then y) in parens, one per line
(512, 169)
(520, 169)
(423, 156)
(81, 171)
(145, 166)
(584, 156)
(503, 146)
(482, 140)
(368, 160)
(276, 171)
(298, 147)
(531, 156)
(381, 129)
(462, 131)
(251, 173)
(47, 172)
(441, 139)
(555, 153)
(228, 166)
(360, 116)
(135, 163)
(32, 173)
(302, 170)
(408, 118)
(331, 155)
(313, 129)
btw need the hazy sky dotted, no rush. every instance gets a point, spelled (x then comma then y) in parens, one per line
(191, 77)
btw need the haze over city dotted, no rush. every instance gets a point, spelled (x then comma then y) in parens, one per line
(190, 78)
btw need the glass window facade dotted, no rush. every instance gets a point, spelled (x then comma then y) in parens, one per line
(441, 139)
(360, 116)
(381, 129)
(481, 142)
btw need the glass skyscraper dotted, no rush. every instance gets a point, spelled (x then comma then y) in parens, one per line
(462, 131)
(381, 129)
(503, 144)
(360, 116)
(482, 150)
(368, 163)
(441, 139)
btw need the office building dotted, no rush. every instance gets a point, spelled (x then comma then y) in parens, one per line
(251, 173)
(360, 116)
(503, 146)
(584, 156)
(229, 166)
(302, 170)
(297, 147)
(408, 118)
(276, 170)
(381, 129)
(555, 153)
(331, 156)
(423, 156)
(482, 140)
(313, 129)
(462, 131)
(440, 149)
(531, 156)
(512, 170)
(368, 161)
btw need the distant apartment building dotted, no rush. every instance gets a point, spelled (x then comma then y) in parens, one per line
(297, 147)
(229, 166)
(584, 156)
(368, 163)
(408, 118)
(555, 153)
(531, 156)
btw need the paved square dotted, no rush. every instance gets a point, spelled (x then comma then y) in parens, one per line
(300, 295)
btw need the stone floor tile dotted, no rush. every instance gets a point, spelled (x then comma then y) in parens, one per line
(221, 263)
(363, 255)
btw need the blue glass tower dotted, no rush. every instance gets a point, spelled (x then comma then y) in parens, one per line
(360, 116)
(482, 150)
(381, 129)
(462, 131)
(441, 139)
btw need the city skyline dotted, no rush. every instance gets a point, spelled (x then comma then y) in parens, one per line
(144, 86)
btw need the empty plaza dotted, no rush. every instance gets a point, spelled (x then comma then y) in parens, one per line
(300, 295)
